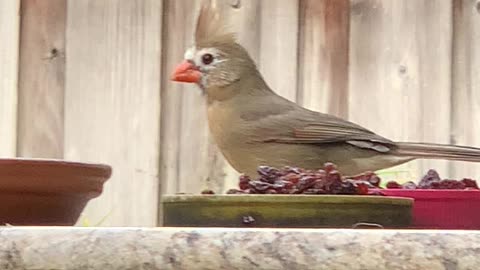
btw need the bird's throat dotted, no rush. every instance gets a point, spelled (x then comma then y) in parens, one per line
(251, 86)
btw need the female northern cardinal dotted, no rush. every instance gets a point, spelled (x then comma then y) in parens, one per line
(254, 126)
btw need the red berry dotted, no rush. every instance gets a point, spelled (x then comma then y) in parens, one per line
(292, 177)
(270, 191)
(451, 184)
(431, 177)
(319, 184)
(393, 184)
(243, 182)
(362, 189)
(409, 185)
(328, 167)
(374, 180)
(293, 180)
(469, 183)
(306, 182)
(258, 186)
(334, 176)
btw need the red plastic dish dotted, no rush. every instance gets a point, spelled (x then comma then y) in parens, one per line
(442, 209)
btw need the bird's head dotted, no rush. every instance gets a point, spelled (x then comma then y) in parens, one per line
(216, 60)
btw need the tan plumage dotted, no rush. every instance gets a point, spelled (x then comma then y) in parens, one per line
(254, 126)
(211, 26)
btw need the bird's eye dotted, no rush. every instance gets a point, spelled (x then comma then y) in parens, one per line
(207, 59)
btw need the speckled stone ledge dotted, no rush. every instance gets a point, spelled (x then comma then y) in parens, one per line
(217, 248)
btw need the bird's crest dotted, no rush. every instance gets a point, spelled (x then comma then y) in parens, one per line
(211, 28)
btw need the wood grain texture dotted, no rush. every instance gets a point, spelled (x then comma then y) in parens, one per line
(112, 103)
(279, 45)
(466, 82)
(244, 18)
(177, 36)
(400, 56)
(324, 39)
(189, 161)
(41, 79)
(9, 33)
(201, 165)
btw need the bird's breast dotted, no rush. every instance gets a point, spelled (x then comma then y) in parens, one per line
(232, 134)
(223, 124)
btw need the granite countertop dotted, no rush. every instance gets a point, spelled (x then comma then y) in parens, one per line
(219, 248)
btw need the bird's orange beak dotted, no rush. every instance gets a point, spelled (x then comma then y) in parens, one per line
(186, 72)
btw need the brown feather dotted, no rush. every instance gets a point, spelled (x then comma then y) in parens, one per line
(438, 151)
(309, 127)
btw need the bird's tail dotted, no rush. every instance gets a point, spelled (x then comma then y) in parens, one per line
(438, 151)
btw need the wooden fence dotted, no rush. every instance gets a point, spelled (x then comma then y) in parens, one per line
(88, 80)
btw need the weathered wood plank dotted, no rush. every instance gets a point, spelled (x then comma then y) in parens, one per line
(177, 36)
(279, 45)
(201, 163)
(466, 82)
(400, 56)
(9, 33)
(41, 79)
(244, 18)
(189, 160)
(112, 103)
(324, 39)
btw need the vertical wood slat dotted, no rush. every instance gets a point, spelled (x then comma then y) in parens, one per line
(9, 32)
(188, 158)
(400, 55)
(466, 82)
(177, 35)
(323, 72)
(190, 161)
(41, 79)
(201, 165)
(112, 103)
(279, 45)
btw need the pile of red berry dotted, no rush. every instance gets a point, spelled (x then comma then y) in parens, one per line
(432, 180)
(293, 180)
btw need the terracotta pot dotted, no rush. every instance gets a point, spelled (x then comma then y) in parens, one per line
(36, 192)
(285, 211)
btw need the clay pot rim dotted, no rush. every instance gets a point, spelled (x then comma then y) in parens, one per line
(48, 191)
(102, 170)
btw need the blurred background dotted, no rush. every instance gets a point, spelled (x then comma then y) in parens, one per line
(88, 80)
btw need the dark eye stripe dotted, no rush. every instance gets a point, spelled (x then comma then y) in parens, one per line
(207, 59)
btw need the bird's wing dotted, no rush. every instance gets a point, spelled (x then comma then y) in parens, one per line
(327, 132)
(291, 123)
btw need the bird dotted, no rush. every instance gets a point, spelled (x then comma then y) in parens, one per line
(253, 126)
